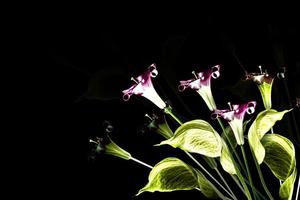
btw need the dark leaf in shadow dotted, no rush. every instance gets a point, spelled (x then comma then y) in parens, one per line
(245, 90)
(107, 84)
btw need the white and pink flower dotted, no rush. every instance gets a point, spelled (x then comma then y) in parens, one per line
(201, 83)
(235, 117)
(143, 87)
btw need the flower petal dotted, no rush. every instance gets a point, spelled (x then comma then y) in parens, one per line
(143, 87)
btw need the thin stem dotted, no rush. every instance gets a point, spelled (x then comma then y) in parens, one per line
(231, 145)
(261, 177)
(141, 162)
(207, 172)
(241, 179)
(168, 111)
(257, 192)
(219, 193)
(248, 170)
(298, 186)
(238, 183)
(226, 184)
(272, 130)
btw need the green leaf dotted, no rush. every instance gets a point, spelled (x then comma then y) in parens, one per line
(206, 187)
(226, 160)
(197, 136)
(264, 121)
(280, 155)
(280, 158)
(287, 187)
(256, 146)
(172, 174)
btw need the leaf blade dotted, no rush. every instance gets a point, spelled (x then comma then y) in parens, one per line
(287, 187)
(226, 161)
(197, 136)
(280, 155)
(172, 174)
(264, 121)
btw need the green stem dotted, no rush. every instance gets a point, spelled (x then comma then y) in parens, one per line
(231, 145)
(241, 179)
(207, 172)
(226, 184)
(218, 192)
(256, 191)
(168, 111)
(248, 170)
(141, 162)
(261, 177)
(239, 185)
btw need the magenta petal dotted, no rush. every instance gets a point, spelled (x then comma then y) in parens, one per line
(227, 114)
(202, 79)
(144, 87)
(240, 110)
(235, 118)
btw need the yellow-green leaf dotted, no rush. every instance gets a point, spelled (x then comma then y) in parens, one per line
(226, 160)
(287, 187)
(280, 155)
(280, 158)
(206, 187)
(197, 136)
(172, 174)
(264, 121)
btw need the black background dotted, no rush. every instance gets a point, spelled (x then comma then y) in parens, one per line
(80, 61)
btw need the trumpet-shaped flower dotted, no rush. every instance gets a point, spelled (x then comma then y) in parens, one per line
(264, 82)
(235, 117)
(143, 87)
(201, 83)
(105, 144)
(160, 125)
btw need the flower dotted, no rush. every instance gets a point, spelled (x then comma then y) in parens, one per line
(159, 125)
(104, 144)
(264, 82)
(201, 83)
(235, 117)
(143, 87)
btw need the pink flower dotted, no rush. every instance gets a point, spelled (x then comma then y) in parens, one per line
(143, 87)
(235, 117)
(201, 83)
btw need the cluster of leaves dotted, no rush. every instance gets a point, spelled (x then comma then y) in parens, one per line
(199, 137)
